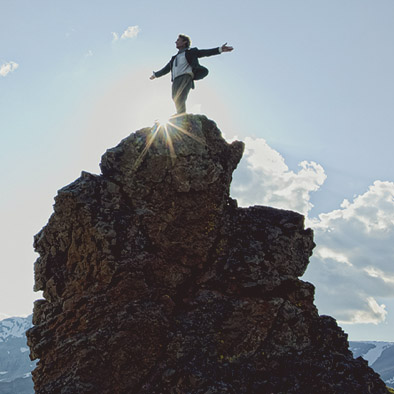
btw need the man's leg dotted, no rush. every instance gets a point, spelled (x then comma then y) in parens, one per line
(180, 90)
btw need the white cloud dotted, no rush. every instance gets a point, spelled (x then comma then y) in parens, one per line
(131, 32)
(6, 68)
(373, 211)
(353, 263)
(377, 273)
(352, 266)
(263, 178)
(372, 313)
(326, 253)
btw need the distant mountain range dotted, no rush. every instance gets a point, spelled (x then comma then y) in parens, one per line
(380, 356)
(15, 364)
(16, 367)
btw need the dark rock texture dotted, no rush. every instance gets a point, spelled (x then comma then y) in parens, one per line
(155, 282)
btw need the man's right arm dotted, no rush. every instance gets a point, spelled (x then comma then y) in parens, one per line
(165, 70)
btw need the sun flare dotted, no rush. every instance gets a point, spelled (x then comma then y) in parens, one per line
(170, 130)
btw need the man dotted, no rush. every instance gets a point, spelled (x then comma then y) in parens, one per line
(185, 69)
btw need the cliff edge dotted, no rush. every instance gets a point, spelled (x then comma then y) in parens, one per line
(154, 281)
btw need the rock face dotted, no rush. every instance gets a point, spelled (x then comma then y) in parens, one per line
(156, 282)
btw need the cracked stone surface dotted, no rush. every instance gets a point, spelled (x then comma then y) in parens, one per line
(154, 281)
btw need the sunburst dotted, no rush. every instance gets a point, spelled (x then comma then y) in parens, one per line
(170, 130)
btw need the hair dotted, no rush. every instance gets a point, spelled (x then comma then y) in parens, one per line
(187, 39)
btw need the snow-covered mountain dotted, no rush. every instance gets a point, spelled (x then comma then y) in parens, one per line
(15, 364)
(380, 356)
(14, 327)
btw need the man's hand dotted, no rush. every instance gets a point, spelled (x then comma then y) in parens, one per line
(152, 77)
(226, 48)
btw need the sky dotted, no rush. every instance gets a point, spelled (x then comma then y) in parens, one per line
(309, 89)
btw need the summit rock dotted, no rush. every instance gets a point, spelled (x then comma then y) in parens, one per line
(154, 281)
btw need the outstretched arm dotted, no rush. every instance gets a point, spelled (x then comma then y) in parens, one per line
(225, 48)
(165, 70)
(213, 51)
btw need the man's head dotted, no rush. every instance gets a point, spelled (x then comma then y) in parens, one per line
(183, 41)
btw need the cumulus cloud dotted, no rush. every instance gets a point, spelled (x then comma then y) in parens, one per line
(371, 313)
(6, 68)
(263, 178)
(352, 265)
(131, 32)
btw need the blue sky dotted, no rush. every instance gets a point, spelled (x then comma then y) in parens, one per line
(309, 88)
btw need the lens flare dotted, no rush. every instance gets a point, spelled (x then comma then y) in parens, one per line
(170, 130)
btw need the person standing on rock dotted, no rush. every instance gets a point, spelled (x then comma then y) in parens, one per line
(185, 69)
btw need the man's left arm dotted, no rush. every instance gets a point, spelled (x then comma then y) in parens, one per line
(214, 51)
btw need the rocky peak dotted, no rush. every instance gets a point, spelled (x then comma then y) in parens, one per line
(156, 282)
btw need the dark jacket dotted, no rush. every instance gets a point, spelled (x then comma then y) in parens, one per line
(192, 56)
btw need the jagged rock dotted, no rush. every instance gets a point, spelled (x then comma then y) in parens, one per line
(156, 282)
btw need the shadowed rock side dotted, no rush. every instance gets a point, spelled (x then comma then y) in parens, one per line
(155, 282)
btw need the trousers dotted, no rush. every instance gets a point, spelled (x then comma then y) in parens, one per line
(180, 89)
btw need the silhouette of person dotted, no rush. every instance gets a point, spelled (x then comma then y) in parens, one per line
(185, 69)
